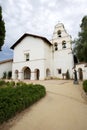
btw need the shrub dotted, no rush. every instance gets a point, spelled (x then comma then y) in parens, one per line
(2, 82)
(16, 99)
(20, 84)
(10, 84)
(85, 85)
(4, 75)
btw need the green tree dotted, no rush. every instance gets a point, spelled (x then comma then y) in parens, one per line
(81, 42)
(2, 29)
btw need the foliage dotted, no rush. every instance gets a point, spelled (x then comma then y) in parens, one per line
(67, 75)
(15, 99)
(7, 75)
(10, 84)
(2, 29)
(4, 75)
(7, 84)
(2, 82)
(85, 85)
(20, 84)
(81, 42)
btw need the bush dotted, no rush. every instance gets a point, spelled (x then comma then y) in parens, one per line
(7, 84)
(2, 82)
(4, 75)
(16, 99)
(20, 84)
(10, 84)
(85, 85)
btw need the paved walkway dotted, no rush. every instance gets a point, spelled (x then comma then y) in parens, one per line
(63, 108)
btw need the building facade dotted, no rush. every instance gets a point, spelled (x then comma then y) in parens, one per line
(32, 57)
(81, 69)
(36, 58)
(5, 67)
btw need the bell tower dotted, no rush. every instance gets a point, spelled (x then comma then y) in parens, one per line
(61, 39)
(62, 51)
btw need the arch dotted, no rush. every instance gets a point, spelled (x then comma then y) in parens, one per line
(75, 59)
(59, 33)
(16, 74)
(55, 46)
(27, 72)
(37, 74)
(47, 72)
(80, 74)
(64, 44)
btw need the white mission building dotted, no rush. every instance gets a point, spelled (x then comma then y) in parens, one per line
(37, 58)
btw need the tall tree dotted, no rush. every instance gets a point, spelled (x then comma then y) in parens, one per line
(81, 42)
(2, 29)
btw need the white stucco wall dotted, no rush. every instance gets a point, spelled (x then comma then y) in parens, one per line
(48, 58)
(64, 35)
(84, 70)
(64, 62)
(29, 44)
(32, 65)
(39, 57)
(63, 57)
(5, 67)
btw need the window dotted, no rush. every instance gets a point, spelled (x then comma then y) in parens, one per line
(27, 56)
(64, 44)
(55, 46)
(59, 33)
(59, 71)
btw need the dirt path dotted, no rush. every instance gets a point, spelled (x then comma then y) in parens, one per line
(62, 108)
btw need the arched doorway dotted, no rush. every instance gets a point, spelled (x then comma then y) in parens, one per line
(37, 74)
(47, 72)
(27, 73)
(80, 74)
(16, 74)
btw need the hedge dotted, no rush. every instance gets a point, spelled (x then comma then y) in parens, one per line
(15, 99)
(6, 84)
(85, 85)
(2, 82)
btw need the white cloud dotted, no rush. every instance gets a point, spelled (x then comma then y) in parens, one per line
(52, 4)
(44, 1)
(40, 17)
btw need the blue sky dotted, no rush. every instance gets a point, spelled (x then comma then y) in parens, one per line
(39, 17)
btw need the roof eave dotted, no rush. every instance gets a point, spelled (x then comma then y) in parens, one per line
(26, 34)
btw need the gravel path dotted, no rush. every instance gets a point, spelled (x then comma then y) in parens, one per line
(63, 108)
